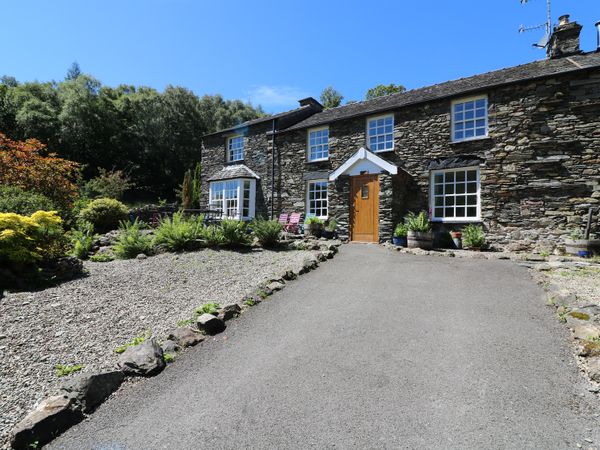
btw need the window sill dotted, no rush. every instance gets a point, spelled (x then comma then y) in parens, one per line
(475, 139)
(237, 161)
(466, 220)
(317, 160)
(389, 150)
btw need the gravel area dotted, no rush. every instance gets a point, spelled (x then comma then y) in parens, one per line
(84, 320)
(584, 282)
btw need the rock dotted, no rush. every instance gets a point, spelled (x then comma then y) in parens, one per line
(275, 286)
(170, 346)
(593, 368)
(185, 336)
(289, 275)
(322, 256)
(586, 332)
(145, 359)
(588, 349)
(230, 311)
(141, 256)
(64, 269)
(89, 390)
(52, 416)
(210, 324)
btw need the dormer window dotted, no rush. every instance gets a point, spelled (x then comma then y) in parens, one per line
(380, 133)
(235, 148)
(469, 119)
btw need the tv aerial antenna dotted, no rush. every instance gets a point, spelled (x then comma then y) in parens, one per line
(543, 42)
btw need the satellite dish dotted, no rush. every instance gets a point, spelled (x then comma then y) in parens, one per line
(543, 42)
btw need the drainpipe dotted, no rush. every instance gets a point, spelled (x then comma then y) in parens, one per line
(273, 170)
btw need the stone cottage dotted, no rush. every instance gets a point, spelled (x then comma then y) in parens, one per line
(517, 150)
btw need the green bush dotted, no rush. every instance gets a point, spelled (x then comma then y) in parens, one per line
(102, 257)
(473, 236)
(105, 214)
(82, 239)
(235, 232)
(207, 308)
(213, 235)
(417, 222)
(313, 220)
(178, 233)
(108, 184)
(401, 230)
(267, 232)
(131, 242)
(16, 200)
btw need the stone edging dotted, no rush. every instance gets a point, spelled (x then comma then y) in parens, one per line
(82, 394)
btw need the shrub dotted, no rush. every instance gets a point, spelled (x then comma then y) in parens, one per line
(24, 165)
(64, 370)
(187, 191)
(82, 239)
(39, 237)
(213, 235)
(131, 242)
(105, 214)
(473, 236)
(401, 230)
(313, 220)
(331, 225)
(267, 232)
(207, 308)
(16, 200)
(235, 232)
(417, 222)
(178, 233)
(102, 257)
(110, 184)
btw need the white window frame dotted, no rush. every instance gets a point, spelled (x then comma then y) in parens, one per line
(221, 203)
(308, 184)
(432, 196)
(454, 122)
(368, 136)
(230, 150)
(309, 146)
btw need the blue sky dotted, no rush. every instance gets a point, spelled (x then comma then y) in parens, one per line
(274, 52)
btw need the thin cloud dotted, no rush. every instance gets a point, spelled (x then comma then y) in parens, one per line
(276, 96)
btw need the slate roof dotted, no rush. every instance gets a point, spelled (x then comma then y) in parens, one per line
(235, 171)
(525, 72)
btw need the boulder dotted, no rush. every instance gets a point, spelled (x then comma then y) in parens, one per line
(185, 336)
(210, 324)
(89, 390)
(289, 275)
(585, 331)
(145, 359)
(141, 256)
(593, 368)
(170, 346)
(275, 286)
(230, 311)
(53, 416)
(588, 349)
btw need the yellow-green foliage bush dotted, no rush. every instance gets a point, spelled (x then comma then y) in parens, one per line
(105, 214)
(28, 239)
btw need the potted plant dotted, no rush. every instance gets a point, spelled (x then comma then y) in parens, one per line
(456, 238)
(577, 244)
(314, 226)
(473, 237)
(399, 237)
(329, 231)
(419, 233)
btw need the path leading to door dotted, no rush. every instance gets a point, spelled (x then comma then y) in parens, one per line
(372, 350)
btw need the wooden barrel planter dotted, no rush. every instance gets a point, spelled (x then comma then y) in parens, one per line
(419, 239)
(574, 246)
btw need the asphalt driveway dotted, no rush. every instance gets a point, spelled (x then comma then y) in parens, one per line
(373, 350)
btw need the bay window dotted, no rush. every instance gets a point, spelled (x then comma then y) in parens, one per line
(234, 198)
(455, 195)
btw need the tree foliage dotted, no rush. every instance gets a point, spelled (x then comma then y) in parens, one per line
(152, 136)
(27, 165)
(381, 89)
(330, 98)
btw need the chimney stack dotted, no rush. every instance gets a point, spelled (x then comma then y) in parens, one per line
(598, 33)
(565, 38)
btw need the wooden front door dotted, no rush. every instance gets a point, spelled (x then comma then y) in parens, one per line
(364, 208)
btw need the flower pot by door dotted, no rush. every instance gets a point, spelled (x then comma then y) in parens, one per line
(400, 241)
(419, 239)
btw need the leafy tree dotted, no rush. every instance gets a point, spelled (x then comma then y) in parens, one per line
(381, 89)
(73, 72)
(330, 98)
(108, 184)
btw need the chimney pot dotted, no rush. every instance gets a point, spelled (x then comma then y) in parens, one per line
(563, 20)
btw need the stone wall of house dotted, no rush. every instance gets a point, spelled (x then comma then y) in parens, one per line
(257, 157)
(541, 169)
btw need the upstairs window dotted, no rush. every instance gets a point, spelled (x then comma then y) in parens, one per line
(469, 119)
(316, 202)
(455, 195)
(318, 144)
(235, 148)
(380, 133)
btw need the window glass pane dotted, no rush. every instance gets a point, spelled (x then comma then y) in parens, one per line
(449, 177)
(460, 188)
(460, 176)
(460, 212)
(449, 212)
(471, 199)
(438, 178)
(471, 212)
(471, 175)
(481, 103)
(460, 200)
(439, 201)
(439, 212)
(439, 189)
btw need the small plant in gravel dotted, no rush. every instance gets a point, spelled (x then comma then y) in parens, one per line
(262, 294)
(207, 308)
(267, 232)
(66, 369)
(102, 257)
(135, 341)
(178, 233)
(82, 238)
(249, 302)
(473, 236)
(131, 242)
(235, 232)
(168, 358)
(213, 235)
(185, 322)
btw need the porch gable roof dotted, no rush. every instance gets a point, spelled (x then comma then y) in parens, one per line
(364, 155)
